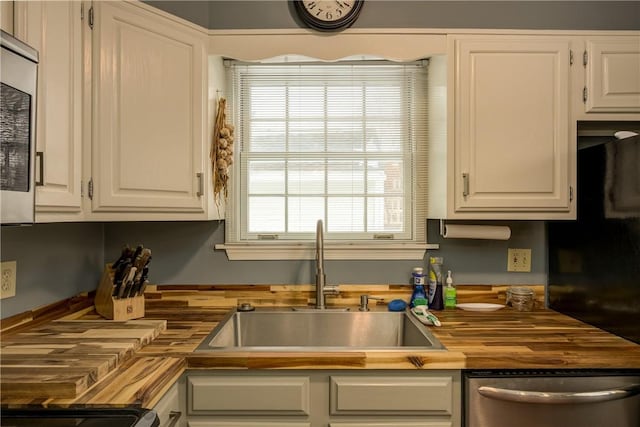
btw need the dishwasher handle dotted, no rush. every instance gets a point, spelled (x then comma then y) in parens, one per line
(545, 397)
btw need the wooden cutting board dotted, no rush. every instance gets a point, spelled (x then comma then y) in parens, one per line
(63, 358)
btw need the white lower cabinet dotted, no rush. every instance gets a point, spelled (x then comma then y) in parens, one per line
(170, 408)
(323, 398)
(273, 395)
(393, 424)
(391, 395)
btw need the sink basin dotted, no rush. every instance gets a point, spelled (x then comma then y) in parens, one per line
(285, 330)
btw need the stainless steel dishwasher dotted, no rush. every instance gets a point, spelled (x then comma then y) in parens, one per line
(577, 398)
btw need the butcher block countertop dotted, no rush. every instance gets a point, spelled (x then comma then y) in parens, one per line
(503, 339)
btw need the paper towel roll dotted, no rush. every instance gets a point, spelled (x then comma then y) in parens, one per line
(492, 232)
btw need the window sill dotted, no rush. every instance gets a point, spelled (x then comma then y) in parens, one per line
(340, 251)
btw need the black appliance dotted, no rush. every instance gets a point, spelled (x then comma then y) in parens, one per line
(594, 262)
(79, 417)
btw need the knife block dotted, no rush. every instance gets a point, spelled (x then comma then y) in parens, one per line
(113, 308)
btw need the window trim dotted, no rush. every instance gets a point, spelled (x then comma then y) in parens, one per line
(271, 251)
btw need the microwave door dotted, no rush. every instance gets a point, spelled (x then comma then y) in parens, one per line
(18, 73)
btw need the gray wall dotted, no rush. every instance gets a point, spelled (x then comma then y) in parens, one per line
(576, 15)
(54, 262)
(183, 254)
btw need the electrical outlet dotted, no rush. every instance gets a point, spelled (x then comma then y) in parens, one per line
(8, 284)
(519, 260)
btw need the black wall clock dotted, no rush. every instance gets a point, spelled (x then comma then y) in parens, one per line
(328, 15)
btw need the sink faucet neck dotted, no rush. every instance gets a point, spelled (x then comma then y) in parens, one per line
(320, 276)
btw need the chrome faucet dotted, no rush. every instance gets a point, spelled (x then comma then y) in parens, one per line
(320, 276)
(321, 288)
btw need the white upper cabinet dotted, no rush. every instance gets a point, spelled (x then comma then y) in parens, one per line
(149, 152)
(510, 148)
(54, 29)
(6, 16)
(612, 74)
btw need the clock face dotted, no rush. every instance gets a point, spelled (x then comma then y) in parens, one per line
(329, 11)
(328, 15)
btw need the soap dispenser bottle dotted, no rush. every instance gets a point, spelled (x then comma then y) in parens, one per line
(450, 293)
(436, 298)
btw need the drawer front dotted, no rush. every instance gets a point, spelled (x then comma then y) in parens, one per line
(245, 424)
(382, 395)
(273, 395)
(395, 424)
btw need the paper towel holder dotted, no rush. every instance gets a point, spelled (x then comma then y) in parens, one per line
(475, 231)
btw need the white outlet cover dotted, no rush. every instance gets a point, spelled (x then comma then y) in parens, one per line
(8, 279)
(519, 260)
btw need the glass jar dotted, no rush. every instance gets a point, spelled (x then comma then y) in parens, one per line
(521, 298)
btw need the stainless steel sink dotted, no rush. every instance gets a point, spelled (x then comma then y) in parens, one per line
(285, 330)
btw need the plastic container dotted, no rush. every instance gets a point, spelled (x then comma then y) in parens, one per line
(419, 294)
(521, 298)
(450, 293)
(436, 299)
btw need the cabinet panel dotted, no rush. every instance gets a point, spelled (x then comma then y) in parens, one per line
(395, 424)
(511, 124)
(613, 74)
(247, 395)
(168, 408)
(6, 16)
(54, 29)
(149, 99)
(380, 395)
(246, 424)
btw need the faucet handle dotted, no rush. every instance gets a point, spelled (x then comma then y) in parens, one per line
(331, 290)
(364, 302)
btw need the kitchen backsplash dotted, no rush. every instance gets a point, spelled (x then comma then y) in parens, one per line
(57, 261)
(54, 262)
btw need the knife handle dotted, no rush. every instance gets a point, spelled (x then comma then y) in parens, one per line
(142, 288)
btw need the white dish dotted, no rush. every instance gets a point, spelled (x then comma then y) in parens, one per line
(480, 306)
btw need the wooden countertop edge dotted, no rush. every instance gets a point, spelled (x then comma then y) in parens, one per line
(140, 382)
(438, 359)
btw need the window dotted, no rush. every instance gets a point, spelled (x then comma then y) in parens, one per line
(343, 142)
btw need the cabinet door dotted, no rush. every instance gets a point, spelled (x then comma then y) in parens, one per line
(168, 409)
(149, 101)
(613, 74)
(231, 395)
(54, 29)
(6, 16)
(511, 124)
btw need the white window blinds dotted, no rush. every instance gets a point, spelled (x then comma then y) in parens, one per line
(341, 142)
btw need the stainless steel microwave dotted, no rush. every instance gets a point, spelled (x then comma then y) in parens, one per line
(18, 78)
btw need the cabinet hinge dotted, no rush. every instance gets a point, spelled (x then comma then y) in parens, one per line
(584, 95)
(585, 58)
(82, 11)
(571, 193)
(81, 189)
(570, 57)
(90, 189)
(91, 17)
